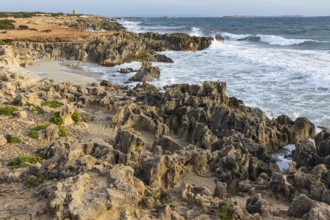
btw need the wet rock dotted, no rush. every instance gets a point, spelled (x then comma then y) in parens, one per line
(305, 154)
(126, 70)
(146, 73)
(219, 38)
(324, 147)
(302, 130)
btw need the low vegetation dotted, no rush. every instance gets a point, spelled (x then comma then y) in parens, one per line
(13, 139)
(34, 132)
(225, 211)
(23, 27)
(51, 104)
(63, 132)
(8, 110)
(76, 117)
(18, 14)
(35, 180)
(24, 161)
(7, 24)
(57, 119)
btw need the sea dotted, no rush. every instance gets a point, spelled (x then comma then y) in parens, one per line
(278, 64)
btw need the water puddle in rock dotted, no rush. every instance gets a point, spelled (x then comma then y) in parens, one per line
(283, 157)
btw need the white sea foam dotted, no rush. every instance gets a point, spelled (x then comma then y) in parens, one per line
(230, 36)
(195, 31)
(269, 39)
(277, 80)
(132, 26)
(281, 41)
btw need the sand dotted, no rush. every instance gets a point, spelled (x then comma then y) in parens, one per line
(61, 72)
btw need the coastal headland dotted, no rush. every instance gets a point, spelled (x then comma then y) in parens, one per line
(96, 150)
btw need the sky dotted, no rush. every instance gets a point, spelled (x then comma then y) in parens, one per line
(208, 8)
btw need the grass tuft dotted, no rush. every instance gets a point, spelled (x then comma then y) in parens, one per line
(8, 110)
(57, 119)
(7, 24)
(63, 132)
(51, 104)
(35, 180)
(13, 139)
(24, 161)
(33, 133)
(76, 117)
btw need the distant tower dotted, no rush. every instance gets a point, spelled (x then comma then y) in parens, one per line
(75, 12)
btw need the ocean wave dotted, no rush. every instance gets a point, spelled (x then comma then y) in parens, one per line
(132, 26)
(163, 27)
(281, 41)
(268, 39)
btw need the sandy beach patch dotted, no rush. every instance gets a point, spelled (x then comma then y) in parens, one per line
(64, 72)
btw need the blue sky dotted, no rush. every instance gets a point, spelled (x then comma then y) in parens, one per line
(174, 7)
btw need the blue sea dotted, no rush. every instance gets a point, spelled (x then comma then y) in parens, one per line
(278, 64)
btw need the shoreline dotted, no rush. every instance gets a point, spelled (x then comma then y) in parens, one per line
(61, 71)
(190, 152)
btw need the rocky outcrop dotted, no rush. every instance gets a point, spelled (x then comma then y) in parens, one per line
(146, 73)
(93, 23)
(109, 50)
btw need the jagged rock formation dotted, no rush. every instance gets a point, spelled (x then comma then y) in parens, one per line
(146, 73)
(96, 24)
(188, 152)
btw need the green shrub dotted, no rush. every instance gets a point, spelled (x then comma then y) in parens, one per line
(13, 139)
(51, 103)
(7, 24)
(46, 31)
(76, 117)
(2, 42)
(225, 211)
(23, 27)
(35, 180)
(18, 14)
(8, 110)
(57, 119)
(63, 132)
(33, 133)
(24, 161)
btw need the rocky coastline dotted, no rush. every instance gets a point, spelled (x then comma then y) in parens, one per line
(104, 151)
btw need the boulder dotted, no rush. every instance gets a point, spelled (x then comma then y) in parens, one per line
(20, 114)
(3, 140)
(300, 206)
(146, 73)
(305, 154)
(126, 70)
(256, 204)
